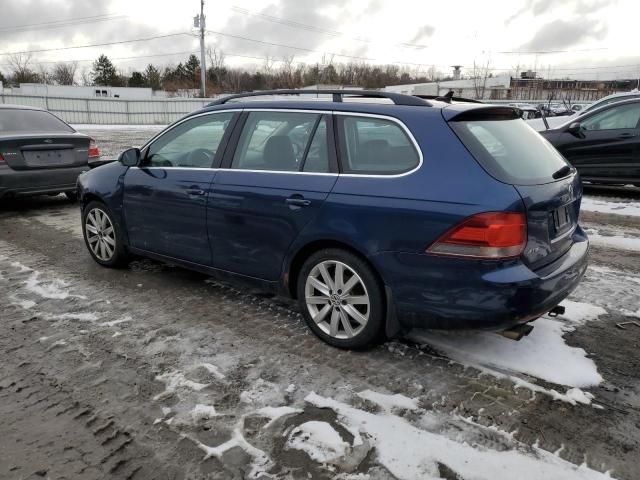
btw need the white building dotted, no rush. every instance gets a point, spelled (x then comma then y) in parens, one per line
(470, 88)
(44, 90)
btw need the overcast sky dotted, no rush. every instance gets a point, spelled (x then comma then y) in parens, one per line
(414, 34)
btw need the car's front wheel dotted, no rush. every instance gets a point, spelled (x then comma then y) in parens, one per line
(341, 298)
(101, 235)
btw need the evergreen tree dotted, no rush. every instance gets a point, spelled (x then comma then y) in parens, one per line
(104, 73)
(192, 69)
(136, 80)
(152, 77)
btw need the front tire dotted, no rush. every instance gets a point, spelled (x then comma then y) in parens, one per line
(102, 235)
(341, 298)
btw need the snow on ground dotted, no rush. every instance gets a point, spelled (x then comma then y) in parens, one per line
(409, 452)
(597, 204)
(542, 354)
(319, 440)
(629, 239)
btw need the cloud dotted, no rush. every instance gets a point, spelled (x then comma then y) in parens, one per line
(424, 31)
(561, 34)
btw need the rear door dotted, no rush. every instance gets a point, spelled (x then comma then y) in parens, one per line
(274, 183)
(36, 139)
(165, 199)
(607, 145)
(513, 153)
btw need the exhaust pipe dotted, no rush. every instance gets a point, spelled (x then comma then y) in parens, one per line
(516, 333)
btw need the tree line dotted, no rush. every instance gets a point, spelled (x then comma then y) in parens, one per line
(184, 78)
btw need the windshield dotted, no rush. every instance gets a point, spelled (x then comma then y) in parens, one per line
(510, 150)
(31, 121)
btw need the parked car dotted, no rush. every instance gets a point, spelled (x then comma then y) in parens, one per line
(527, 111)
(375, 216)
(603, 144)
(40, 154)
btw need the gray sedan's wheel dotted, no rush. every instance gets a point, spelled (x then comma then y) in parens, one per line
(341, 298)
(101, 235)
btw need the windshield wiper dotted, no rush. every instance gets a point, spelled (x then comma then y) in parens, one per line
(563, 172)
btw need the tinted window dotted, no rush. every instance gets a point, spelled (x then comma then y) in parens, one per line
(376, 146)
(31, 121)
(510, 150)
(280, 141)
(193, 143)
(602, 103)
(623, 116)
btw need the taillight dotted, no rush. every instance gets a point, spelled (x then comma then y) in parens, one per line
(94, 151)
(486, 235)
(1, 158)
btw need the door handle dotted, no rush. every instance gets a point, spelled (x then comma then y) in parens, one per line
(297, 202)
(196, 193)
(627, 135)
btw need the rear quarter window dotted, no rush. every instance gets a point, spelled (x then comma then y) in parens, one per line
(375, 146)
(31, 121)
(510, 150)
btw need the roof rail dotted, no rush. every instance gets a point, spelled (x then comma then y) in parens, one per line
(397, 98)
(448, 98)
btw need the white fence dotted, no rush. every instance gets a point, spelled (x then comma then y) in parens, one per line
(116, 111)
(111, 111)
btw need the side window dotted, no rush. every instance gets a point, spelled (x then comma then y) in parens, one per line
(282, 141)
(620, 117)
(375, 146)
(193, 143)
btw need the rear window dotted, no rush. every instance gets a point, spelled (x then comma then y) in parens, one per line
(31, 121)
(510, 150)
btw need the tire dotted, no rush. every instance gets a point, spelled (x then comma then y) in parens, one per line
(350, 317)
(71, 196)
(111, 251)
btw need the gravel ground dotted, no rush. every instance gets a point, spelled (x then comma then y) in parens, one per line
(152, 371)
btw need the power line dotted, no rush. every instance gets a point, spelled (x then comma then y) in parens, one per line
(97, 44)
(61, 23)
(312, 28)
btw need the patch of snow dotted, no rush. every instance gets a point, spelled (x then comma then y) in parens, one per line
(591, 204)
(617, 242)
(24, 304)
(81, 317)
(579, 396)
(113, 323)
(291, 388)
(21, 268)
(389, 403)
(542, 354)
(276, 413)
(55, 289)
(410, 453)
(319, 440)
(203, 412)
(175, 381)
(214, 370)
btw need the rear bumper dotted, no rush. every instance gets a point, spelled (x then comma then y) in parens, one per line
(34, 182)
(451, 293)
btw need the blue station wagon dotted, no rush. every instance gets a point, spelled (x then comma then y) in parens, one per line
(376, 214)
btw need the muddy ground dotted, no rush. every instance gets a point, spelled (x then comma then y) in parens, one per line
(153, 371)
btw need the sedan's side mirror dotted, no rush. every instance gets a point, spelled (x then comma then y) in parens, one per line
(575, 129)
(130, 157)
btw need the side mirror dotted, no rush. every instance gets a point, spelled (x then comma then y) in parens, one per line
(130, 157)
(575, 129)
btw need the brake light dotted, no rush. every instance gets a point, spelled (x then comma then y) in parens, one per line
(486, 235)
(94, 151)
(1, 158)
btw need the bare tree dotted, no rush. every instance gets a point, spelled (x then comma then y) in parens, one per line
(21, 68)
(480, 75)
(216, 58)
(64, 73)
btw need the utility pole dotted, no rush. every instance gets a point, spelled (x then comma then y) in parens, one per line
(203, 67)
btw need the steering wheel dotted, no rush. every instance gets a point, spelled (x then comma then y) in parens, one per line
(200, 157)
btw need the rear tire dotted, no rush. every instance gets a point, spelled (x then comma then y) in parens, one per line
(341, 299)
(102, 235)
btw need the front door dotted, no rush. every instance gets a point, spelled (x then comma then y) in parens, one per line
(165, 198)
(281, 172)
(607, 146)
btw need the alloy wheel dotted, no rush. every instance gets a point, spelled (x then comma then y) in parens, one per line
(337, 299)
(101, 235)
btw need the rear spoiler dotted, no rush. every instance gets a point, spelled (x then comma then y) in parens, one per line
(465, 113)
(448, 98)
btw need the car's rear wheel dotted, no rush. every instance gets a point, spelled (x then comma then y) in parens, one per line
(341, 299)
(102, 236)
